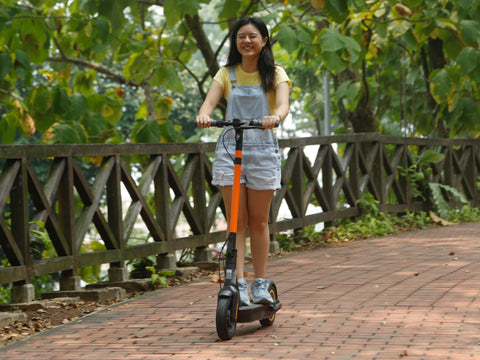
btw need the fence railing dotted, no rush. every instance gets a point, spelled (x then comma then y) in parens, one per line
(163, 193)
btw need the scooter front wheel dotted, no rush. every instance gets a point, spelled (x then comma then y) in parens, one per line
(226, 318)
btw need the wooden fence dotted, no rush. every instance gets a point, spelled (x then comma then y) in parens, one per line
(162, 187)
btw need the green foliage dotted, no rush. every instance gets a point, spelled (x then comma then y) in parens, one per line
(5, 289)
(424, 190)
(441, 205)
(91, 274)
(464, 214)
(159, 279)
(373, 223)
(77, 71)
(285, 241)
(5, 293)
(386, 44)
(368, 225)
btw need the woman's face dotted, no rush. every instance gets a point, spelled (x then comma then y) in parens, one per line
(250, 41)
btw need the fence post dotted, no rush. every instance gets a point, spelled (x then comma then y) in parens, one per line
(327, 185)
(202, 252)
(117, 271)
(162, 211)
(22, 291)
(66, 218)
(297, 185)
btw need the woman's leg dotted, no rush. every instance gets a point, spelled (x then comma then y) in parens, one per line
(241, 226)
(258, 212)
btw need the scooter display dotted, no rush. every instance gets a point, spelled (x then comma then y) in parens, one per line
(229, 312)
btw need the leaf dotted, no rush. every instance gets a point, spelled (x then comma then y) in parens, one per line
(65, 133)
(163, 107)
(336, 10)
(348, 90)
(113, 108)
(398, 28)
(318, 4)
(96, 103)
(94, 123)
(22, 58)
(172, 13)
(61, 102)
(352, 48)
(287, 37)
(441, 204)
(189, 7)
(158, 74)
(79, 104)
(331, 40)
(5, 65)
(113, 10)
(333, 62)
(103, 28)
(84, 81)
(39, 100)
(470, 31)
(440, 85)
(230, 8)
(172, 80)
(7, 133)
(142, 112)
(467, 60)
(146, 132)
(414, 3)
(429, 157)
(137, 67)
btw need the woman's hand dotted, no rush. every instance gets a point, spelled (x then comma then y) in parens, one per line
(269, 122)
(203, 121)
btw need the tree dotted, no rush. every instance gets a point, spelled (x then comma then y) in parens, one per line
(389, 59)
(84, 57)
(66, 68)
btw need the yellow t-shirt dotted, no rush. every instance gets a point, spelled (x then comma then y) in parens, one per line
(249, 79)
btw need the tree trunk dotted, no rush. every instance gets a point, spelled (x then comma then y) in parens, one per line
(435, 59)
(362, 118)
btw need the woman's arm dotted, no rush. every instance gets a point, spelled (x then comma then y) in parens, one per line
(282, 105)
(282, 98)
(213, 97)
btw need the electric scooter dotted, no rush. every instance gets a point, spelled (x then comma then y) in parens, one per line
(229, 312)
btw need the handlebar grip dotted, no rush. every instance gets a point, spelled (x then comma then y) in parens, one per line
(219, 123)
(259, 123)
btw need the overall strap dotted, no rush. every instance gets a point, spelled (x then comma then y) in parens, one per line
(233, 76)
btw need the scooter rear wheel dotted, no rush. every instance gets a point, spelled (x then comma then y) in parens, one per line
(272, 289)
(226, 318)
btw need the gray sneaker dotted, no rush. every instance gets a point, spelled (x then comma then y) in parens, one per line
(243, 289)
(260, 294)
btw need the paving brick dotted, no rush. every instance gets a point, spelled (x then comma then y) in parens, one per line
(412, 296)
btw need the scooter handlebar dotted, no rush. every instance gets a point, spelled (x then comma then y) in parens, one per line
(237, 122)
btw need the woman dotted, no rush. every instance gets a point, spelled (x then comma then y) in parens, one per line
(254, 89)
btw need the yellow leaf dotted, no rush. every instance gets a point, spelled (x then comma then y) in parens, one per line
(107, 111)
(28, 125)
(438, 220)
(318, 4)
(88, 29)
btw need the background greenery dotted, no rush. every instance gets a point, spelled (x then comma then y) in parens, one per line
(110, 71)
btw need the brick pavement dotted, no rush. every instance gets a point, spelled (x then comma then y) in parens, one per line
(412, 296)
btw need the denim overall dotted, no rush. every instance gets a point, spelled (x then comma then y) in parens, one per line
(261, 158)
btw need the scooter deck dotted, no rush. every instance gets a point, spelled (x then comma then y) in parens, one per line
(257, 312)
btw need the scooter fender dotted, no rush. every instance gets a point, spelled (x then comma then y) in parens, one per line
(228, 292)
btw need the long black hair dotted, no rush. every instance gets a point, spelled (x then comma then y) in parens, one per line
(266, 62)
